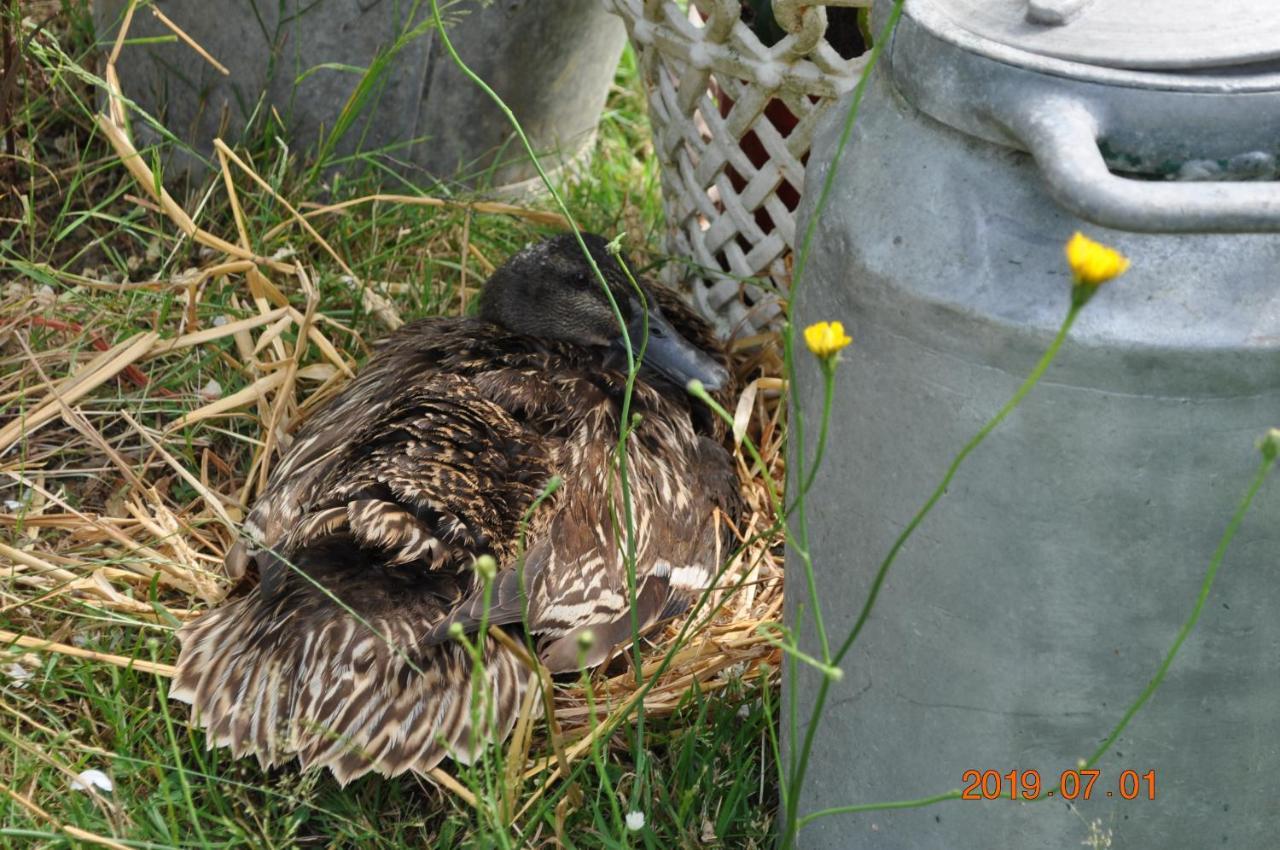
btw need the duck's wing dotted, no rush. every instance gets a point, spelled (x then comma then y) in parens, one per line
(684, 517)
(574, 577)
(376, 532)
(438, 477)
(412, 458)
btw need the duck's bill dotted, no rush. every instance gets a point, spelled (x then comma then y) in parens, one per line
(673, 356)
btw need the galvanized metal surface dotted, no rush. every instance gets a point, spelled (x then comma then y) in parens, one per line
(1078, 120)
(1242, 78)
(1167, 34)
(551, 62)
(1038, 600)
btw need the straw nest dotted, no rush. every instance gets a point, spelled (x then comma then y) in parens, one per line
(115, 516)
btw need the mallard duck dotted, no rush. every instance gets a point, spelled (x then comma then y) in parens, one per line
(345, 653)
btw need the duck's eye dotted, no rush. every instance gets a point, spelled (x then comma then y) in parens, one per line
(656, 330)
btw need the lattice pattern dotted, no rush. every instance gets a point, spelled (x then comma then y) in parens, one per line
(732, 121)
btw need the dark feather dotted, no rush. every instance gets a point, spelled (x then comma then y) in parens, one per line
(366, 536)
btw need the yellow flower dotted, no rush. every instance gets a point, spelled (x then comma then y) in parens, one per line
(825, 339)
(1092, 263)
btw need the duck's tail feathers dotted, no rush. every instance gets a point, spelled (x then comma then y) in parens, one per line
(327, 689)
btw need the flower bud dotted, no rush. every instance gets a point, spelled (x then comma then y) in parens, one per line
(1269, 445)
(486, 567)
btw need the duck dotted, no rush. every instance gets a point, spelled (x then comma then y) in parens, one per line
(463, 439)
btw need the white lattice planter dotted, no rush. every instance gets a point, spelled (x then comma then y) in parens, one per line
(731, 177)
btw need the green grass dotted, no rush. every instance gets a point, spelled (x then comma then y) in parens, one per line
(72, 231)
(79, 716)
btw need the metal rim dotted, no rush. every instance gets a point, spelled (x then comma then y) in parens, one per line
(1221, 80)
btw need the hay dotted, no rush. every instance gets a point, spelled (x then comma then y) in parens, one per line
(145, 543)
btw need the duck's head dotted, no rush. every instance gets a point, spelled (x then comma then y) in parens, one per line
(550, 291)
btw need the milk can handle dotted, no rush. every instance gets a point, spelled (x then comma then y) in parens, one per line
(1062, 134)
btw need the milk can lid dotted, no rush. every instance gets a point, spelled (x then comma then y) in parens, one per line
(1187, 35)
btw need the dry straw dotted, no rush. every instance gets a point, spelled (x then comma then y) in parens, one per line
(109, 559)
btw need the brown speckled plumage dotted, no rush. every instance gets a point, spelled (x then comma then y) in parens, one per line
(431, 457)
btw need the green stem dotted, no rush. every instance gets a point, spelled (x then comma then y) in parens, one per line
(698, 391)
(597, 756)
(484, 771)
(917, 803)
(770, 728)
(1027, 385)
(828, 392)
(787, 644)
(801, 542)
(537, 165)
(800, 764)
(624, 434)
(552, 485)
(1205, 586)
(625, 427)
(873, 595)
(799, 539)
(789, 668)
(633, 361)
(187, 796)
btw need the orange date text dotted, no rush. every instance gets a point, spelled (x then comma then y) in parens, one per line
(1082, 784)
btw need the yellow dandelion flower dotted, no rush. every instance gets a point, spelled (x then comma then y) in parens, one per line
(1092, 263)
(825, 339)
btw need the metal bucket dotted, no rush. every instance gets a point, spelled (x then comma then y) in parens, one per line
(1038, 600)
(551, 62)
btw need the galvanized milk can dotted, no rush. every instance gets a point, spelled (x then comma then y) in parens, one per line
(1038, 600)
